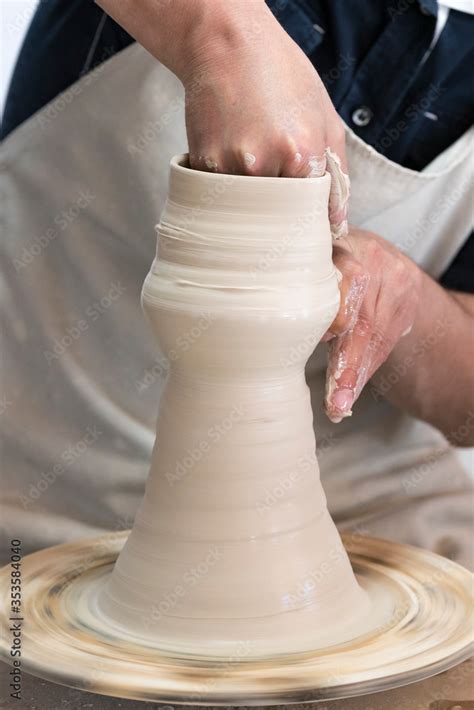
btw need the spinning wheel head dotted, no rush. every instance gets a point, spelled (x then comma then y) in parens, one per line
(421, 603)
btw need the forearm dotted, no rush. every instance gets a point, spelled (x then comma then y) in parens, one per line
(183, 33)
(430, 372)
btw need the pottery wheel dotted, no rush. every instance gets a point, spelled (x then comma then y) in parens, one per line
(422, 604)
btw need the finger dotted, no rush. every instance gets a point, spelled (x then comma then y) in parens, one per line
(353, 285)
(338, 195)
(207, 161)
(336, 138)
(349, 360)
(316, 165)
(340, 184)
(251, 161)
(235, 162)
(302, 158)
(355, 357)
(303, 164)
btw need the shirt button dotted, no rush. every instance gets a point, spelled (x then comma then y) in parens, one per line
(362, 116)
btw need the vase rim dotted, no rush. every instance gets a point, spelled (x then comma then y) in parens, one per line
(178, 165)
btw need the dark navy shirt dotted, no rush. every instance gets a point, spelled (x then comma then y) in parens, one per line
(373, 56)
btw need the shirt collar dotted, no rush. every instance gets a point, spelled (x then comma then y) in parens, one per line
(431, 6)
(461, 5)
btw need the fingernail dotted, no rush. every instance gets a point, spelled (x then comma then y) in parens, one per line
(343, 399)
(327, 337)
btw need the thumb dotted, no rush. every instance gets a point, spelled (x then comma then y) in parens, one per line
(339, 192)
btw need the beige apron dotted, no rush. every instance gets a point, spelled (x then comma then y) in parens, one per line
(83, 183)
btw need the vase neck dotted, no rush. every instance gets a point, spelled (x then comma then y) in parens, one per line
(240, 223)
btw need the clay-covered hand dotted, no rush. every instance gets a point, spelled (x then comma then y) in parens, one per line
(254, 103)
(256, 106)
(380, 290)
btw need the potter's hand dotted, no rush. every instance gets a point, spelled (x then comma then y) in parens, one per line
(262, 110)
(254, 103)
(380, 290)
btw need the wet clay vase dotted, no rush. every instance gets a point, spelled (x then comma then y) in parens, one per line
(233, 552)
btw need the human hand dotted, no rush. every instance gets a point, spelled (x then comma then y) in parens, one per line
(256, 106)
(254, 103)
(380, 292)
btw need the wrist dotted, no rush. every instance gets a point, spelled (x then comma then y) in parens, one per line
(212, 32)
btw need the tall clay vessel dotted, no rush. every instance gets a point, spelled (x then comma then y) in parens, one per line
(233, 546)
